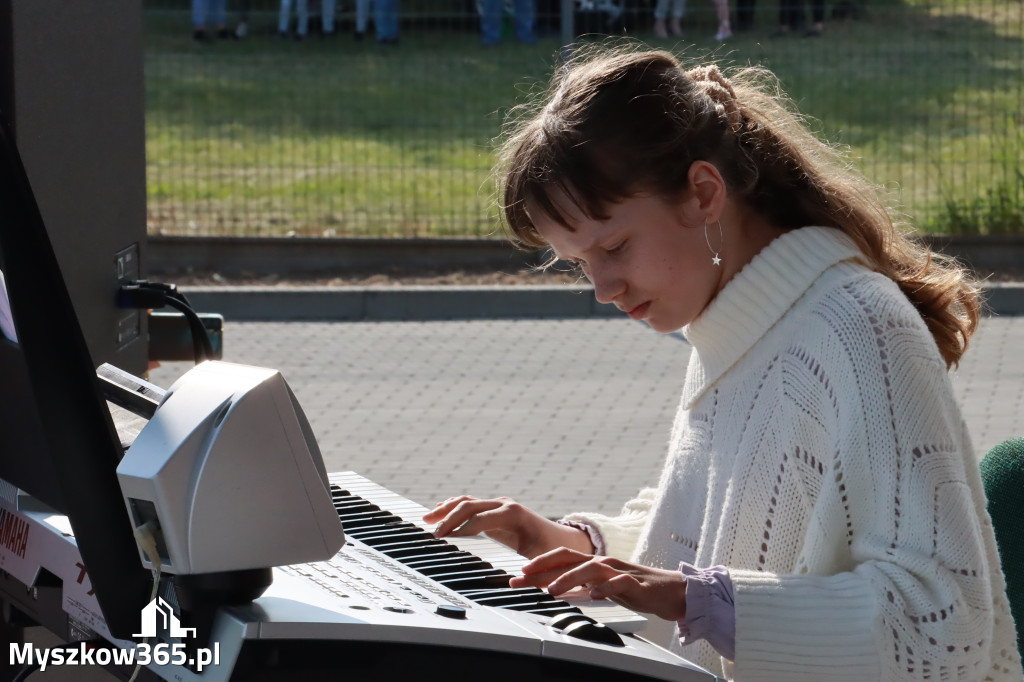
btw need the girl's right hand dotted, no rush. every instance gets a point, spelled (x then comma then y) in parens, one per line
(505, 520)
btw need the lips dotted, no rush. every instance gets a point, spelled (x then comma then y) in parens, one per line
(640, 311)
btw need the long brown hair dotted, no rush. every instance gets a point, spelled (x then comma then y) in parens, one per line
(626, 121)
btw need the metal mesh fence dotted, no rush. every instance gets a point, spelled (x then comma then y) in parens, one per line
(331, 128)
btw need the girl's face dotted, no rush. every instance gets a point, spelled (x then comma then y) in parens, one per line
(648, 258)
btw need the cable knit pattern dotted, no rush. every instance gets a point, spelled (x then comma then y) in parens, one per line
(819, 453)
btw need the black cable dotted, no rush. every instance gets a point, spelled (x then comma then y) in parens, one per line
(200, 339)
(27, 670)
(145, 294)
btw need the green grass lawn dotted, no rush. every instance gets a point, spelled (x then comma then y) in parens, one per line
(336, 137)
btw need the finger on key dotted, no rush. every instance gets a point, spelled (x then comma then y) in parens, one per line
(443, 508)
(462, 513)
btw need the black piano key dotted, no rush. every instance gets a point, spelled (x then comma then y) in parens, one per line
(530, 599)
(507, 591)
(498, 579)
(467, 574)
(478, 594)
(418, 561)
(537, 607)
(415, 549)
(555, 610)
(368, 512)
(351, 499)
(392, 525)
(355, 508)
(446, 564)
(452, 566)
(357, 520)
(524, 593)
(510, 600)
(411, 547)
(401, 536)
(372, 533)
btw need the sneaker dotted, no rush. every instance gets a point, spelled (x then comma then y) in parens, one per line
(200, 36)
(723, 35)
(242, 30)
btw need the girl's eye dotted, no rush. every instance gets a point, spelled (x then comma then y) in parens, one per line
(617, 248)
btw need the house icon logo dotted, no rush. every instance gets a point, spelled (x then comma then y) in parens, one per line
(158, 615)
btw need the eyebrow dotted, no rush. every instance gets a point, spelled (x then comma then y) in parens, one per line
(614, 236)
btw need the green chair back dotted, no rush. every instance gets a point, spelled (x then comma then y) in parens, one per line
(1002, 471)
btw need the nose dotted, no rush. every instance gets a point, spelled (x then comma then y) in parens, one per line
(608, 284)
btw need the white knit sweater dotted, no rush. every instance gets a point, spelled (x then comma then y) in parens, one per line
(818, 452)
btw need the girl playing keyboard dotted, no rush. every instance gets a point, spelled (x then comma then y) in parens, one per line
(820, 513)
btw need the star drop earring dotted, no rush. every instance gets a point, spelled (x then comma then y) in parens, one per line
(721, 239)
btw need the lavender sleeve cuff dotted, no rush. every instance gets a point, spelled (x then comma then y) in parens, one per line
(710, 609)
(595, 535)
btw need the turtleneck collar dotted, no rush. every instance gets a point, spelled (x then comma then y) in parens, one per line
(756, 298)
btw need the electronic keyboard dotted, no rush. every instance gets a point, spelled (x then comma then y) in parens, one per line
(393, 603)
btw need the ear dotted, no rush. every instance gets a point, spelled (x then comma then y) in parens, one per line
(707, 188)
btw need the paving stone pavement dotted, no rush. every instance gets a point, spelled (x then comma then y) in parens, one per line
(561, 415)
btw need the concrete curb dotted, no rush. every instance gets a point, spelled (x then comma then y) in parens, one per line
(1004, 298)
(311, 256)
(421, 303)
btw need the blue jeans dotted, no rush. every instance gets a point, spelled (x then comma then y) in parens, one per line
(302, 7)
(217, 9)
(362, 15)
(490, 20)
(385, 17)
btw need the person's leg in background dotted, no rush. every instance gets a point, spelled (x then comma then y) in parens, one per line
(302, 9)
(675, 23)
(817, 27)
(526, 12)
(790, 16)
(744, 15)
(219, 18)
(362, 18)
(724, 29)
(327, 8)
(660, 14)
(242, 29)
(490, 21)
(284, 17)
(216, 11)
(385, 16)
(199, 20)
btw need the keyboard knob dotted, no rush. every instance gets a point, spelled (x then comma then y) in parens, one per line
(594, 632)
(451, 611)
(586, 628)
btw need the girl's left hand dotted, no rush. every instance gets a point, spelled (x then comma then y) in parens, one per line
(641, 588)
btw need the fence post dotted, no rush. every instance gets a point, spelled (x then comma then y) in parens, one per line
(568, 27)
